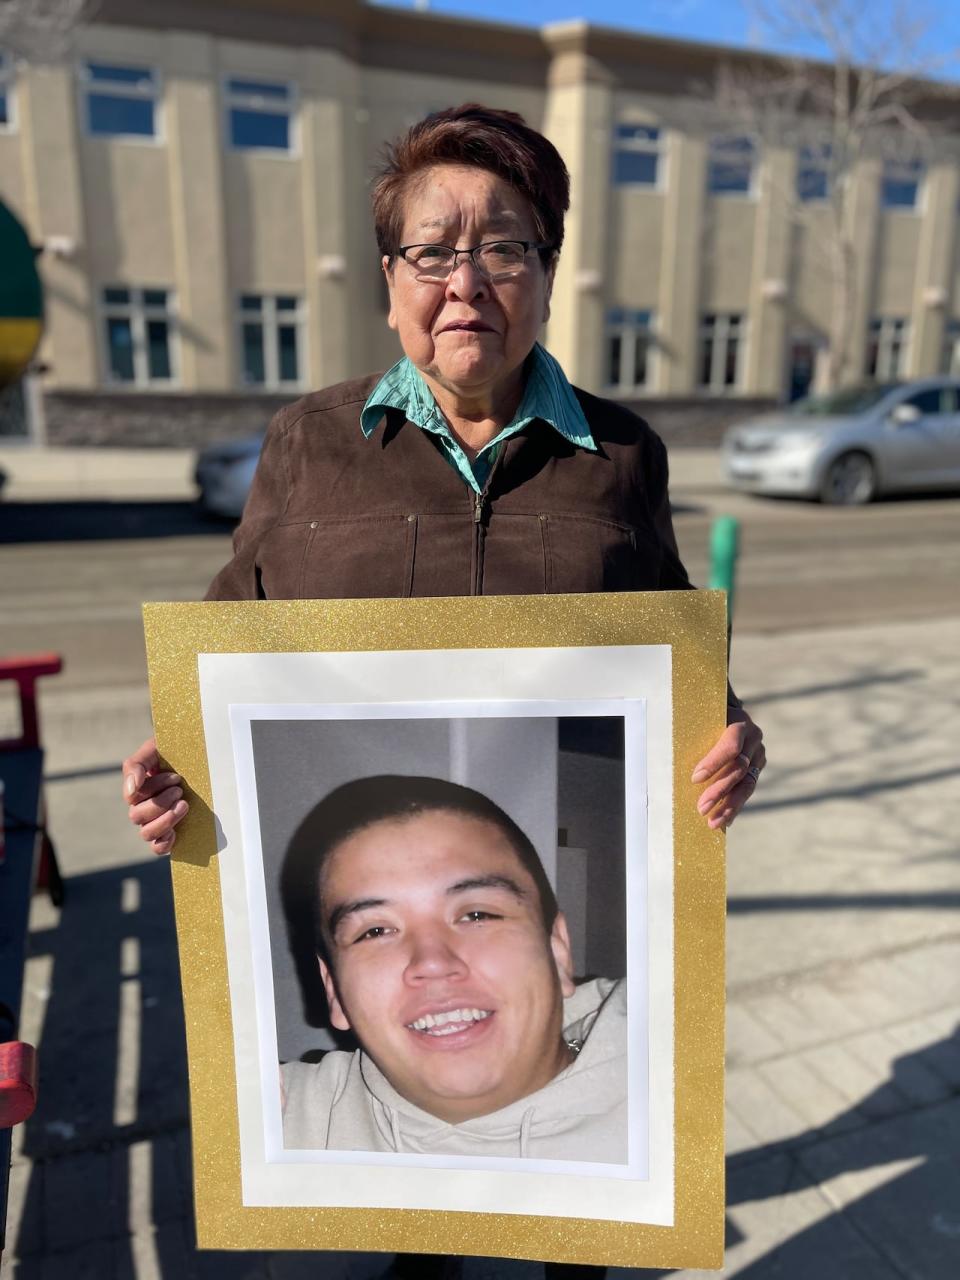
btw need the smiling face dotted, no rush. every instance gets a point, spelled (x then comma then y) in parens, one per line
(443, 968)
(467, 336)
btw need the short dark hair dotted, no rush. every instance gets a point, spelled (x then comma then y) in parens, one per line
(484, 138)
(360, 804)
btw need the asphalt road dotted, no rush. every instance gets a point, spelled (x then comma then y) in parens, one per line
(73, 575)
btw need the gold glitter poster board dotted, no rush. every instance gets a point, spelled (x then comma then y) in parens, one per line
(224, 675)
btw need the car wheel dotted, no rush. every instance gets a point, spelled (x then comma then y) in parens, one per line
(849, 481)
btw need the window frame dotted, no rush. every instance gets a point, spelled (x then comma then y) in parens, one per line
(139, 313)
(714, 145)
(797, 339)
(8, 81)
(232, 99)
(640, 146)
(818, 160)
(950, 348)
(85, 86)
(892, 174)
(630, 330)
(267, 316)
(719, 334)
(893, 333)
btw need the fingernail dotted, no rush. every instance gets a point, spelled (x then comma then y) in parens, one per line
(180, 808)
(129, 785)
(699, 774)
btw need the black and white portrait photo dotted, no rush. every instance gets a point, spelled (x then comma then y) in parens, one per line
(482, 1022)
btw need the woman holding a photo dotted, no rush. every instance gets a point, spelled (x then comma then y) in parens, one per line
(472, 466)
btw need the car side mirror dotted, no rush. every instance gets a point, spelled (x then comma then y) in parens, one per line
(903, 414)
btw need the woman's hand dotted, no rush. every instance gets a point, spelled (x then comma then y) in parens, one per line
(732, 768)
(154, 795)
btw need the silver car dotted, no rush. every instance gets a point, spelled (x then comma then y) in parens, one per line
(224, 473)
(852, 445)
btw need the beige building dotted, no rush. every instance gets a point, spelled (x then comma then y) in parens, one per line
(197, 178)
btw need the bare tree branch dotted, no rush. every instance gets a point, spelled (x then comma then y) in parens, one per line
(872, 99)
(42, 30)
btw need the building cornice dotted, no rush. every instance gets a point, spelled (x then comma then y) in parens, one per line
(371, 35)
(426, 43)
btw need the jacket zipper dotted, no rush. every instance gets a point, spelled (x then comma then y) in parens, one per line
(481, 511)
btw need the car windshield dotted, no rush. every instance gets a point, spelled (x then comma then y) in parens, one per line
(848, 400)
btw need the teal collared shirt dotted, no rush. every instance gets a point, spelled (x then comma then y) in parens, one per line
(547, 396)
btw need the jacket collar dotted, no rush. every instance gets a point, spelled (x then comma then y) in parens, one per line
(547, 396)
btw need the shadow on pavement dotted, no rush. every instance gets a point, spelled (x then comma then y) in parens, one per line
(855, 791)
(109, 1142)
(905, 1223)
(840, 686)
(92, 521)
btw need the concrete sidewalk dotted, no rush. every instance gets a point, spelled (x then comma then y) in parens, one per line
(85, 475)
(844, 954)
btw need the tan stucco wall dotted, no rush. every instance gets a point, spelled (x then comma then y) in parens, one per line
(13, 185)
(898, 238)
(54, 207)
(636, 247)
(811, 271)
(186, 213)
(683, 254)
(936, 250)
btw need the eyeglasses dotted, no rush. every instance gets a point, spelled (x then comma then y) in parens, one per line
(497, 260)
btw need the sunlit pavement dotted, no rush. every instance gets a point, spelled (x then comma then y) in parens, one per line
(844, 950)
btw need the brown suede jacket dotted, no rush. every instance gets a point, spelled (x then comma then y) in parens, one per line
(333, 515)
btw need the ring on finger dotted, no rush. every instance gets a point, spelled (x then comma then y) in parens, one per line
(754, 773)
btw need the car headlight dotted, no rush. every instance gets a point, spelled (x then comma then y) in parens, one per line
(801, 439)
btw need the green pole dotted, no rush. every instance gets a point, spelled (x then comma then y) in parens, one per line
(724, 548)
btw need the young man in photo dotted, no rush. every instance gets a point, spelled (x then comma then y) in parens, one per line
(442, 949)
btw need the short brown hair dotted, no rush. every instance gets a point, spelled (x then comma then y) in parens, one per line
(485, 138)
(363, 803)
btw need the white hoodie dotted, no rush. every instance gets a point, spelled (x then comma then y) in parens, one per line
(345, 1103)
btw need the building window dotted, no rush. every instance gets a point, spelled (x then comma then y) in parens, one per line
(802, 368)
(6, 92)
(139, 327)
(886, 345)
(270, 340)
(900, 184)
(721, 347)
(259, 115)
(629, 349)
(813, 173)
(636, 155)
(950, 359)
(121, 102)
(730, 166)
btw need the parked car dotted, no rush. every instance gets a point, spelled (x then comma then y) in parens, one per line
(224, 473)
(850, 446)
